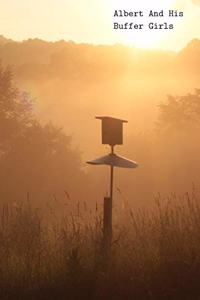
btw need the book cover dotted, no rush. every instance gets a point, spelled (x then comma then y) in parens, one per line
(99, 149)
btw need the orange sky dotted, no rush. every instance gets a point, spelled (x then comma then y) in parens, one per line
(92, 21)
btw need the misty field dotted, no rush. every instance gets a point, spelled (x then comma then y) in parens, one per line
(55, 250)
(155, 253)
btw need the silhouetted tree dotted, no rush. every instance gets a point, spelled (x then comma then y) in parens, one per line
(34, 158)
(15, 109)
(180, 113)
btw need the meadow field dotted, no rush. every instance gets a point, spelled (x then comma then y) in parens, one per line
(155, 253)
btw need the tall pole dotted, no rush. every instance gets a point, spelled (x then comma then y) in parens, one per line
(107, 227)
(111, 187)
(111, 175)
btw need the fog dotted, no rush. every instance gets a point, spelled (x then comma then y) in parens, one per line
(70, 84)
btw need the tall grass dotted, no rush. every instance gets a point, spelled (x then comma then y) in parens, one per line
(155, 253)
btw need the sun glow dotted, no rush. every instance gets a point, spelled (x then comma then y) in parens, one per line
(140, 35)
(91, 21)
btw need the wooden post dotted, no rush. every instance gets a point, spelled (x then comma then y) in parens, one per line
(107, 223)
(107, 217)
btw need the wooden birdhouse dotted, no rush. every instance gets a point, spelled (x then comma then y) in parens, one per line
(112, 130)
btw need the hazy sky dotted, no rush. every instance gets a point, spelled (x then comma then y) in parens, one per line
(92, 21)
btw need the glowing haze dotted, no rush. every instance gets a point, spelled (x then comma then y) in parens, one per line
(91, 21)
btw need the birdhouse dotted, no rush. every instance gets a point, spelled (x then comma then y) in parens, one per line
(112, 130)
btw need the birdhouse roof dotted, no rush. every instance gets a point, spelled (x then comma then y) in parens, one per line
(110, 118)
